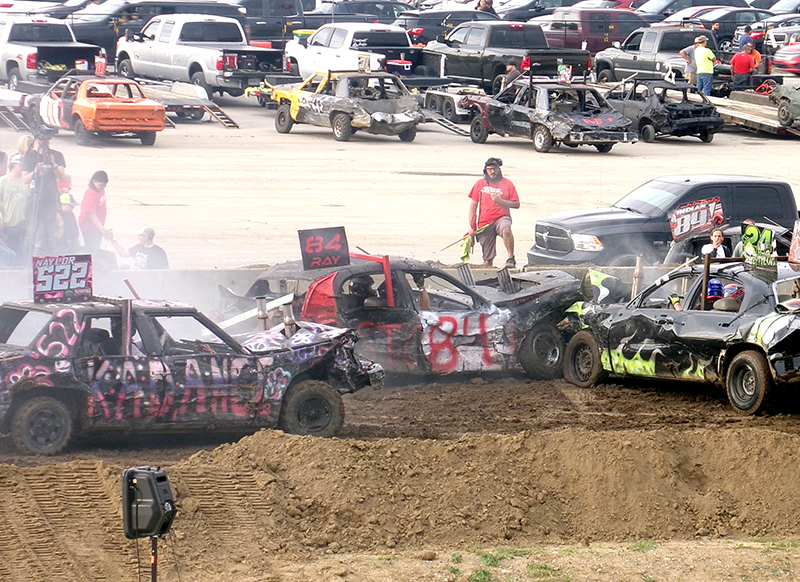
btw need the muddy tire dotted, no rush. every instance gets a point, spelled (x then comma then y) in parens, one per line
(41, 426)
(13, 79)
(82, 135)
(408, 135)
(784, 117)
(648, 133)
(604, 148)
(449, 110)
(542, 139)
(342, 129)
(125, 69)
(541, 354)
(477, 130)
(582, 365)
(147, 138)
(605, 76)
(749, 382)
(312, 408)
(283, 119)
(706, 136)
(199, 79)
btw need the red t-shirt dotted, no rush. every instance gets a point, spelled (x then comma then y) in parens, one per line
(488, 209)
(93, 202)
(742, 64)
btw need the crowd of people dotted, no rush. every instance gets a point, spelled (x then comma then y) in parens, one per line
(38, 212)
(700, 61)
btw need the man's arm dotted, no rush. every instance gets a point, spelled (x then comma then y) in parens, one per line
(121, 251)
(99, 225)
(472, 218)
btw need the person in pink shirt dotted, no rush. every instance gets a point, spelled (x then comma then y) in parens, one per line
(92, 219)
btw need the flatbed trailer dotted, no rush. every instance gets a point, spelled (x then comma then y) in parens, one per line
(751, 111)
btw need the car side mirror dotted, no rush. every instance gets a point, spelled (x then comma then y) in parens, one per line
(303, 42)
(616, 44)
(441, 38)
(128, 34)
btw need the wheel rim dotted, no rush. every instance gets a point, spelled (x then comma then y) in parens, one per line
(546, 349)
(314, 414)
(583, 363)
(447, 110)
(45, 428)
(337, 126)
(538, 139)
(745, 384)
(783, 115)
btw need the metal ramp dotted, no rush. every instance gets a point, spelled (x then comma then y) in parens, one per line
(437, 118)
(221, 116)
(751, 116)
(13, 119)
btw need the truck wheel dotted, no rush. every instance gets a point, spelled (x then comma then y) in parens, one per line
(82, 135)
(235, 92)
(477, 130)
(197, 114)
(542, 139)
(706, 136)
(41, 426)
(604, 148)
(125, 68)
(648, 133)
(605, 76)
(408, 135)
(199, 79)
(582, 365)
(33, 118)
(749, 382)
(342, 129)
(147, 138)
(283, 119)
(784, 117)
(13, 79)
(312, 408)
(725, 45)
(449, 110)
(541, 354)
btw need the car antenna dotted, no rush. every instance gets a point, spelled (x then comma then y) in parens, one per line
(362, 250)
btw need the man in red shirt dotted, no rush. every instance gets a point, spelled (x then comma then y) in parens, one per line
(491, 200)
(742, 65)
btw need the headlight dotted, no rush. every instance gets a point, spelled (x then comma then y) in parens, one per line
(586, 242)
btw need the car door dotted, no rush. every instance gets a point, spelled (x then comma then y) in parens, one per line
(50, 105)
(144, 53)
(164, 65)
(626, 60)
(635, 102)
(499, 110)
(451, 51)
(317, 99)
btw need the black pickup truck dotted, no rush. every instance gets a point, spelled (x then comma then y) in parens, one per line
(478, 52)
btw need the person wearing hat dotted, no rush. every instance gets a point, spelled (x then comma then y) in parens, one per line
(690, 68)
(42, 167)
(704, 59)
(92, 218)
(146, 254)
(491, 200)
(14, 197)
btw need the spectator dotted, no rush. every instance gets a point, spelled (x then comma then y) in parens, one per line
(42, 167)
(146, 254)
(715, 248)
(69, 241)
(512, 74)
(14, 197)
(742, 66)
(481, 5)
(756, 55)
(745, 38)
(491, 200)
(488, 6)
(92, 219)
(704, 61)
(690, 68)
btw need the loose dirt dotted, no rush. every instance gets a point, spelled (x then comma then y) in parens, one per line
(488, 479)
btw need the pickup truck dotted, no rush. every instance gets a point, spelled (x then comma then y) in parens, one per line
(35, 51)
(209, 51)
(478, 52)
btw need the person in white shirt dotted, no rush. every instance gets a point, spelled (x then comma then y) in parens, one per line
(715, 248)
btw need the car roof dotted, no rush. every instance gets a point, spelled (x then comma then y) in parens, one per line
(183, 17)
(661, 82)
(363, 26)
(294, 269)
(709, 178)
(100, 304)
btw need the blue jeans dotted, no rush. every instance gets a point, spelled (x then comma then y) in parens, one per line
(704, 83)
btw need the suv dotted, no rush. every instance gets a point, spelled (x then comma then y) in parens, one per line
(657, 10)
(639, 223)
(424, 26)
(599, 28)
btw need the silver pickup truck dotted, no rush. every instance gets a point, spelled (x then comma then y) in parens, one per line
(209, 51)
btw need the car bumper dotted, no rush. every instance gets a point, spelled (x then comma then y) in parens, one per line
(388, 123)
(537, 256)
(696, 124)
(597, 137)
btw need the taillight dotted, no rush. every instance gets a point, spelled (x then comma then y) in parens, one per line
(247, 31)
(220, 66)
(755, 35)
(30, 62)
(227, 62)
(525, 64)
(589, 63)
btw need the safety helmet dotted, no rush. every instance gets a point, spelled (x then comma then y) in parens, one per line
(361, 285)
(733, 291)
(715, 290)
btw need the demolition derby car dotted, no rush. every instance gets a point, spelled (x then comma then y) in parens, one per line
(736, 327)
(550, 113)
(104, 106)
(377, 103)
(104, 365)
(660, 108)
(414, 318)
(787, 98)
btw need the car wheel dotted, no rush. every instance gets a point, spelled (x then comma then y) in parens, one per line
(13, 79)
(199, 79)
(725, 45)
(41, 426)
(283, 119)
(125, 69)
(312, 408)
(449, 110)
(582, 365)
(33, 118)
(82, 135)
(648, 133)
(477, 130)
(408, 135)
(147, 138)
(706, 136)
(542, 139)
(197, 114)
(784, 117)
(604, 148)
(625, 260)
(749, 382)
(541, 354)
(342, 128)
(497, 84)
(235, 92)
(434, 103)
(605, 76)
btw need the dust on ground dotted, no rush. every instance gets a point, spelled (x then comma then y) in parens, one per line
(485, 479)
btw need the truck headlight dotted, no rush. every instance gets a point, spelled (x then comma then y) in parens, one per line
(586, 242)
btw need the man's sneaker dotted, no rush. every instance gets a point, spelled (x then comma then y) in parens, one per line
(511, 262)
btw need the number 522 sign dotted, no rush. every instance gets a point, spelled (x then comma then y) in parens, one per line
(324, 247)
(64, 278)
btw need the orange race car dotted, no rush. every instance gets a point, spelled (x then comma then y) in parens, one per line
(97, 106)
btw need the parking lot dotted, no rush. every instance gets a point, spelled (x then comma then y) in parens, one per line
(220, 198)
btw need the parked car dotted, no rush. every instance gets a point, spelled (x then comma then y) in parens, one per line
(783, 36)
(788, 58)
(549, 114)
(156, 366)
(659, 108)
(784, 6)
(729, 20)
(747, 342)
(382, 11)
(681, 17)
(787, 98)
(523, 10)
(657, 10)
(591, 28)
(376, 103)
(424, 26)
(761, 30)
(59, 10)
(102, 106)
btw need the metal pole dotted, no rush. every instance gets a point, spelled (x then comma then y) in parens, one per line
(153, 558)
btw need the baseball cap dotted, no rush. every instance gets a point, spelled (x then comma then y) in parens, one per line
(148, 232)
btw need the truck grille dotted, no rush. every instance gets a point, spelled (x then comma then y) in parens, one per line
(553, 239)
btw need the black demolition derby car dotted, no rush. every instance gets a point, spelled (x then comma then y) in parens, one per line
(549, 113)
(738, 329)
(414, 318)
(657, 107)
(105, 365)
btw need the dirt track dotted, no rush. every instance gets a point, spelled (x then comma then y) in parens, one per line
(616, 483)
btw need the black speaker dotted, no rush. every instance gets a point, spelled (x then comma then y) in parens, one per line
(148, 506)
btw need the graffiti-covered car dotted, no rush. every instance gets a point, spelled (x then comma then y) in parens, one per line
(660, 108)
(787, 98)
(377, 103)
(104, 365)
(420, 319)
(549, 113)
(738, 330)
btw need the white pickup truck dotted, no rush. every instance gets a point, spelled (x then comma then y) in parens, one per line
(209, 51)
(36, 51)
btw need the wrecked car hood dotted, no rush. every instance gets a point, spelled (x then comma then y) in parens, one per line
(307, 334)
(597, 220)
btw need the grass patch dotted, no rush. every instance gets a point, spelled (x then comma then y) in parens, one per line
(493, 559)
(384, 561)
(771, 545)
(482, 575)
(547, 572)
(644, 546)
(647, 578)
(454, 571)
(456, 558)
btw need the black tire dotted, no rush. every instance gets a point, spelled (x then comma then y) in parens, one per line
(41, 426)
(283, 119)
(262, 101)
(197, 114)
(312, 408)
(200, 80)
(477, 130)
(541, 354)
(582, 365)
(147, 138)
(82, 135)
(725, 45)
(342, 128)
(13, 79)
(749, 382)
(294, 68)
(784, 117)
(628, 260)
(449, 110)
(706, 136)
(648, 133)
(605, 76)
(434, 103)
(125, 69)
(604, 148)
(497, 84)
(542, 139)
(33, 118)
(408, 135)
(235, 92)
